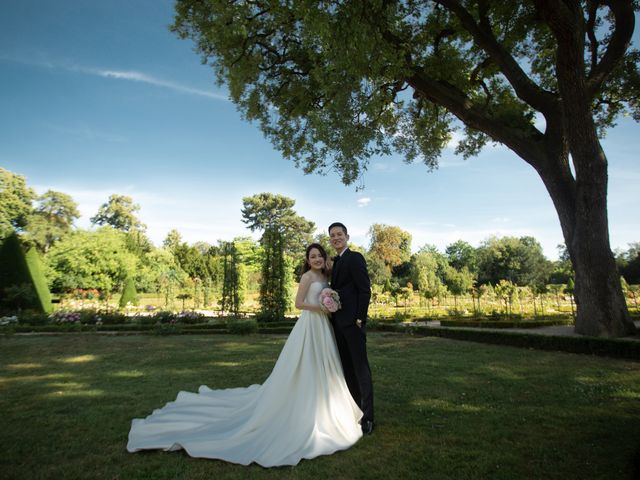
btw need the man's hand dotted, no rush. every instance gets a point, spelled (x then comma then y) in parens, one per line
(359, 323)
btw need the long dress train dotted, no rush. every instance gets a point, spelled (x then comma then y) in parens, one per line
(302, 410)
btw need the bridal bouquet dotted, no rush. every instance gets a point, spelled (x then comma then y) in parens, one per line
(329, 300)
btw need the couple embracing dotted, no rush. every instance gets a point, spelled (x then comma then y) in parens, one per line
(318, 398)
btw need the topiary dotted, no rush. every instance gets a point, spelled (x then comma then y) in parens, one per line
(22, 282)
(129, 294)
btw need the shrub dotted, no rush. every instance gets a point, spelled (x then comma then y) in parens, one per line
(129, 294)
(166, 329)
(160, 317)
(242, 327)
(189, 317)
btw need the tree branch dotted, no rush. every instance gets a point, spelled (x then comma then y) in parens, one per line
(592, 14)
(620, 39)
(527, 90)
(527, 144)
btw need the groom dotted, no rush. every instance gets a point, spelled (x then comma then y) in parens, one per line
(350, 279)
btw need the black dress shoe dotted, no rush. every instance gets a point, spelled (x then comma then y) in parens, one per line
(367, 427)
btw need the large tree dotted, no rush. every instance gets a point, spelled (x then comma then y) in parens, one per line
(52, 218)
(284, 238)
(85, 259)
(334, 83)
(120, 213)
(389, 243)
(265, 210)
(15, 202)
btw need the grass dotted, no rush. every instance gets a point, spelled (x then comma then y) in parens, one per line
(445, 409)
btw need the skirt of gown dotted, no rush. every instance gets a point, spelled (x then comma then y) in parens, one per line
(302, 410)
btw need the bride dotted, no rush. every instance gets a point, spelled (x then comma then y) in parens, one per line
(302, 410)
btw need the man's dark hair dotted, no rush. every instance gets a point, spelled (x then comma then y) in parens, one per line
(338, 224)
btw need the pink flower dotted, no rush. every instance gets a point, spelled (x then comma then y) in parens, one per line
(329, 300)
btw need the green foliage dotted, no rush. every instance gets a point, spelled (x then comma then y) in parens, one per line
(232, 286)
(85, 259)
(15, 202)
(460, 255)
(120, 213)
(129, 293)
(333, 85)
(609, 347)
(172, 240)
(336, 106)
(389, 243)
(266, 210)
(276, 276)
(630, 263)
(22, 283)
(51, 219)
(242, 326)
(35, 267)
(518, 260)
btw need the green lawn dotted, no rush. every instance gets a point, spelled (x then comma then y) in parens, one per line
(445, 409)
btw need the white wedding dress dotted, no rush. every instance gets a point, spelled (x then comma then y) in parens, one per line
(302, 410)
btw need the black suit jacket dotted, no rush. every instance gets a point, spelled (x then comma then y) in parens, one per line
(350, 279)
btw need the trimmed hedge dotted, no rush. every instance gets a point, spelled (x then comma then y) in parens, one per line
(504, 323)
(23, 271)
(608, 347)
(129, 294)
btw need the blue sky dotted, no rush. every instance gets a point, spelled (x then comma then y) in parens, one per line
(99, 98)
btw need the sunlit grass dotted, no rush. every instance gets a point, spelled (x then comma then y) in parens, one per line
(445, 409)
(80, 359)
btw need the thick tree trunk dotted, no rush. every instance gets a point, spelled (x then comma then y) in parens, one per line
(582, 210)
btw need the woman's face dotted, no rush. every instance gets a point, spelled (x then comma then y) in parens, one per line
(315, 259)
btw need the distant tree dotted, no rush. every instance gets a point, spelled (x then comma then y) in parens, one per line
(379, 273)
(518, 260)
(120, 213)
(155, 269)
(570, 288)
(276, 276)
(390, 244)
(461, 254)
(15, 202)
(556, 289)
(506, 291)
(52, 218)
(86, 259)
(459, 282)
(631, 264)
(231, 298)
(172, 240)
(285, 235)
(323, 239)
(333, 84)
(425, 274)
(561, 269)
(267, 210)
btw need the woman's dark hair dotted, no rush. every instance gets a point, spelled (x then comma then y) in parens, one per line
(322, 251)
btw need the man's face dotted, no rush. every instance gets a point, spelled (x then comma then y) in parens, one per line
(338, 239)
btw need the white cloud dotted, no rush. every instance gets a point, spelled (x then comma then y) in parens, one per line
(149, 79)
(364, 201)
(129, 75)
